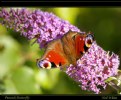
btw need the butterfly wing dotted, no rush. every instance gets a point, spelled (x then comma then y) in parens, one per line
(54, 56)
(65, 51)
(69, 46)
(76, 44)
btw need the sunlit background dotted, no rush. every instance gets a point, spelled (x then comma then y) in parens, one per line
(19, 73)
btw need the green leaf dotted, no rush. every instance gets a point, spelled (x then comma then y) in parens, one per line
(24, 81)
(47, 78)
(9, 55)
(68, 14)
(10, 87)
(110, 79)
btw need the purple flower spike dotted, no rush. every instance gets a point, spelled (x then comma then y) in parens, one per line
(94, 68)
(37, 24)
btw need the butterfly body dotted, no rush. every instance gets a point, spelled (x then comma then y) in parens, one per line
(64, 51)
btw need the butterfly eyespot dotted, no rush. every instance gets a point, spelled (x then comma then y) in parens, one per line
(89, 39)
(44, 64)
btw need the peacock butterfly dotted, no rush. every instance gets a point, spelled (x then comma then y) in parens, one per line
(66, 50)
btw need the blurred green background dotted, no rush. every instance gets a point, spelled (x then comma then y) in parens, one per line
(18, 71)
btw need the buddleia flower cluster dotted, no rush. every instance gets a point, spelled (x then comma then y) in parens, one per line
(92, 69)
(43, 26)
